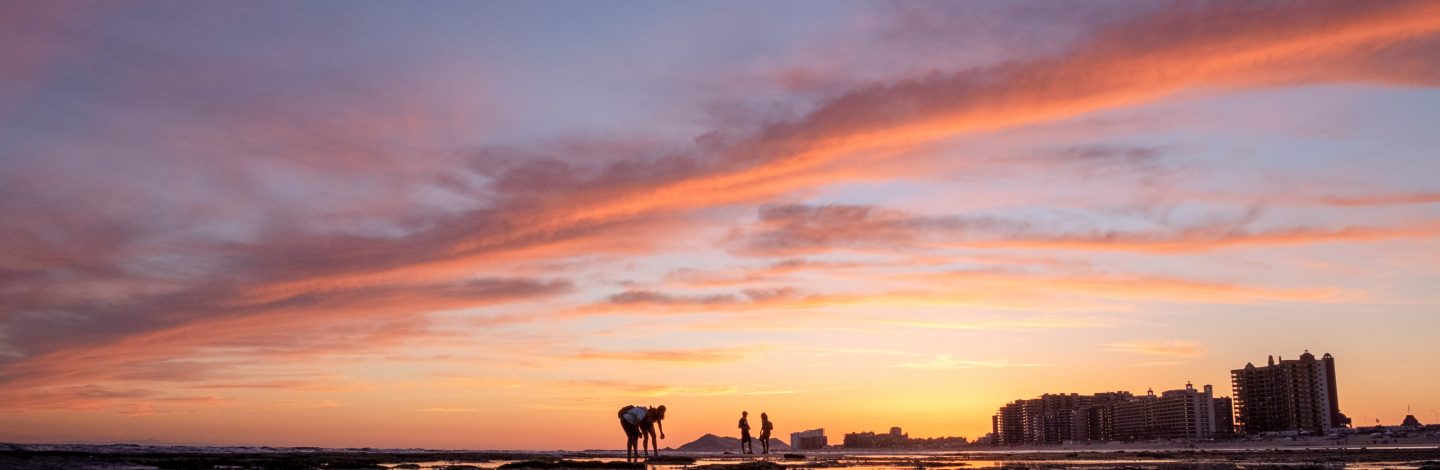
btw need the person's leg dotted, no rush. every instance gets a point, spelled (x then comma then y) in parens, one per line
(629, 436)
(632, 434)
(654, 441)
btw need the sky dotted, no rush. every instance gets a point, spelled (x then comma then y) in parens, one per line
(489, 225)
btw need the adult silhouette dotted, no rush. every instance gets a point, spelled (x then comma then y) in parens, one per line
(639, 424)
(765, 427)
(746, 447)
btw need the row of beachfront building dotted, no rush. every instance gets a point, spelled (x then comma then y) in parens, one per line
(1289, 395)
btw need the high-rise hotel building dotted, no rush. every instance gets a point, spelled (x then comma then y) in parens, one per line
(1287, 395)
(1187, 413)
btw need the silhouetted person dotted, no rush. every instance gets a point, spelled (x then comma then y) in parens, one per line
(639, 425)
(631, 417)
(653, 417)
(746, 447)
(765, 427)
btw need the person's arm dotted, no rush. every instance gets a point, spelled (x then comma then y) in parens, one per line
(661, 424)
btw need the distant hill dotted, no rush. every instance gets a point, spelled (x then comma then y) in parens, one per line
(713, 443)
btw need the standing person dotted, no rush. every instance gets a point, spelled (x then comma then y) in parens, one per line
(631, 418)
(653, 417)
(745, 434)
(765, 427)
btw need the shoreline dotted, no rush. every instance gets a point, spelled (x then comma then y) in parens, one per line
(1245, 446)
(1420, 456)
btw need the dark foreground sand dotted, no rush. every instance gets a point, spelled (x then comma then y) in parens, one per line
(116, 458)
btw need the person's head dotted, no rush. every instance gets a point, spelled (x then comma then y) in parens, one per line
(764, 416)
(744, 413)
(660, 412)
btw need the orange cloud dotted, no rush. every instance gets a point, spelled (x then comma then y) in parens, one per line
(1178, 48)
(1206, 238)
(947, 361)
(803, 229)
(648, 390)
(1171, 348)
(318, 324)
(678, 356)
(1039, 323)
(994, 289)
(1130, 287)
(1382, 199)
(653, 303)
(448, 409)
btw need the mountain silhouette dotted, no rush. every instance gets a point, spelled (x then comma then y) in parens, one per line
(713, 443)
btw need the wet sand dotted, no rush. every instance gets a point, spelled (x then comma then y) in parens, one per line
(135, 458)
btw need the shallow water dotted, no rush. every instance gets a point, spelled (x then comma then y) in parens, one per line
(920, 461)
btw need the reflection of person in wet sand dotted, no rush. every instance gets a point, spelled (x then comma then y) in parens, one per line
(745, 434)
(639, 425)
(765, 427)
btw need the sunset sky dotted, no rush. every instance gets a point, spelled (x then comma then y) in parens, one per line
(489, 225)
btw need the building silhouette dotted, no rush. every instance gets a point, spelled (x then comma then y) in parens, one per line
(1288, 395)
(1176, 414)
(1060, 418)
(1224, 417)
(870, 440)
(805, 440)
(898, 439)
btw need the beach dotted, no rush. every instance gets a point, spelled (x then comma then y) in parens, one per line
(135, 457)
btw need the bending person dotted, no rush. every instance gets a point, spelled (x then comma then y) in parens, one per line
(653, 417)
(631, 418)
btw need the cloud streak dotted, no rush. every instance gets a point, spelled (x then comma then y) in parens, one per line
(673, 356)
(948, 361)
(792, 230)
(1168, 348)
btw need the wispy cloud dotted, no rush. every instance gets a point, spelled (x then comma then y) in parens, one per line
(1171, 348)
(648, 390)
(677, 356)
(1383, 199)
(1027, 324)
(948, 361)
(790, 230)
(448, 409)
